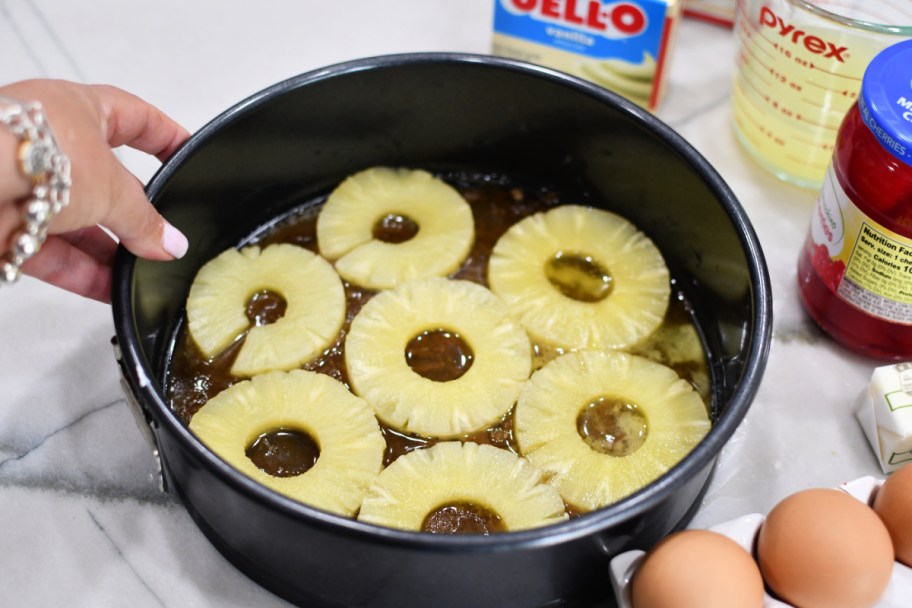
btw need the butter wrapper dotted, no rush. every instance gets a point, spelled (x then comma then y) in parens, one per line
(884, 411)
(622, 46)
(720, 12)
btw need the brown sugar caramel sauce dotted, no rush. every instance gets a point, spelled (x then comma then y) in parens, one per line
(192, 379)
(462, 518)
(439, 355)
(284, 453)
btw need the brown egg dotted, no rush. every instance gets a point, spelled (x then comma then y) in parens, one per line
(893, 503)
(697, 569)
(825, 549)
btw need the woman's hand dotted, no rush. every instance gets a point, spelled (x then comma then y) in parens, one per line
(88, 121)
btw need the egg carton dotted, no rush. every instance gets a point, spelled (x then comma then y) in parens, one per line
(744, 530)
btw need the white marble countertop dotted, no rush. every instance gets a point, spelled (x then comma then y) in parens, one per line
(81, 524)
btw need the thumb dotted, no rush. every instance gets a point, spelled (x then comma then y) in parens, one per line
(139, 226)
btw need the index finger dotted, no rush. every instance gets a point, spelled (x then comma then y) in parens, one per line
(133, 122)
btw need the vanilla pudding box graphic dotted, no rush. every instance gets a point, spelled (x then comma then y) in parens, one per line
(622, 46)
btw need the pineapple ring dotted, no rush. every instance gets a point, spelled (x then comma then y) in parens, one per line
(343, 426)
(545, 423)
(446, 228)
(417, 483)
(638, 299)
(378, 370)
(222, 288)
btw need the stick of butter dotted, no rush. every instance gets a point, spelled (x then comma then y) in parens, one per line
(884, 411)
(622, 46)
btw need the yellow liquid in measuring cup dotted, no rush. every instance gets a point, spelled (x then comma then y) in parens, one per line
(793, 85)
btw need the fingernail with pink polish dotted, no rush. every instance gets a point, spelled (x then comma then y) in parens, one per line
(174, 241)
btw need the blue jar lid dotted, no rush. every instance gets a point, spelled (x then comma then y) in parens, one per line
(886, 99)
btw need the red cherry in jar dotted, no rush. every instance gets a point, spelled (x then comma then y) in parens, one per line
(855, 269)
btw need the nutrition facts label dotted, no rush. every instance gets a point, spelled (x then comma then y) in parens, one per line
(878, 276)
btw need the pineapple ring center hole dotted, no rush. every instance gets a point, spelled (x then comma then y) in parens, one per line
(265, 307)
(395, 228)
(439, 354)
(463, 518)
(579, 276)
(612, 426)
(284, 452)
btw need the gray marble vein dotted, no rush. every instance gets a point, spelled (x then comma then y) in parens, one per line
(81, 522)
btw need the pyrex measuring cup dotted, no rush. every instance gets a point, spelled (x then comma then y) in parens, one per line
(799, 70)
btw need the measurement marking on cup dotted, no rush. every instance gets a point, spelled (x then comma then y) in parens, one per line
(757, 125)
(818, 144)
(808, 162)
(765, 49)
(836, 74)
(845, 92)
(752, 72)
(835, 113)
(751, 118)
(816, 105)
(823, 145)
(746, 133)
(750, 51)
(801, 118)
(754, 87)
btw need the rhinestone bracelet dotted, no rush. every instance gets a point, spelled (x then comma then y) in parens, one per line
(47, 168)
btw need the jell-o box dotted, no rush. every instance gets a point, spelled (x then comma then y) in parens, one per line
(622, 46)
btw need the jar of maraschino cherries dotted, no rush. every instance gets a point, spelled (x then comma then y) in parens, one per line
(855, 269)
